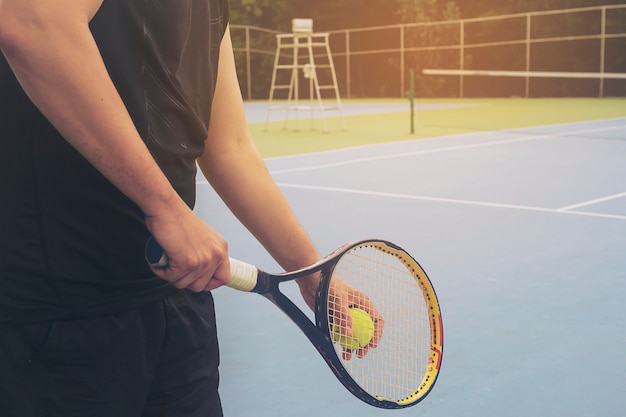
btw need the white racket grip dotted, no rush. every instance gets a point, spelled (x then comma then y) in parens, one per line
(243, 276)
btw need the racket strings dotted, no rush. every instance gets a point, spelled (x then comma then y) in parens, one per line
(381, 280)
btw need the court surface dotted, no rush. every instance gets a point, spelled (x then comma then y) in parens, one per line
(523, 234)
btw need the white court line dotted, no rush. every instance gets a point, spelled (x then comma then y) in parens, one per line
(405, 154)
(591, 202)
(516, 130)
(450, 200)
(442, 149)
(562, 210)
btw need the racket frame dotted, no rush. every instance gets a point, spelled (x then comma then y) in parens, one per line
(319, 333)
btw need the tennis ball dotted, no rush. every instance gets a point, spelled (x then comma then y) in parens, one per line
(362, 330)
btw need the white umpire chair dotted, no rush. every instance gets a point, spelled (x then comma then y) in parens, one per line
(304, 56)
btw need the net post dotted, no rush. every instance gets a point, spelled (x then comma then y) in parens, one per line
(410, 94)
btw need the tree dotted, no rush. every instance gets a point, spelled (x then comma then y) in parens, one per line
(377, 74)
(480, 8)
(442, 35)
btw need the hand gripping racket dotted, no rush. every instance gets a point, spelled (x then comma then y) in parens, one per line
(400, 365)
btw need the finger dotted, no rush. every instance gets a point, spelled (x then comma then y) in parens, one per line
(194, 277)
(339, 305)
(379, 324)
(220, 277)
(209, 278)
(200, 282)
(194, 281)
(361, 352)
(168, 274)
(344, 320)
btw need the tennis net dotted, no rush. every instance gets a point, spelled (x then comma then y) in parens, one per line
(498, 83)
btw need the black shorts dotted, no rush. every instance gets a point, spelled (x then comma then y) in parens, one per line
(158, 360)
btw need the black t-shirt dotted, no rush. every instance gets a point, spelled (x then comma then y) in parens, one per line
(71, 244)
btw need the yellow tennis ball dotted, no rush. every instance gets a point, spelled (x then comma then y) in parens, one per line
(362, 331)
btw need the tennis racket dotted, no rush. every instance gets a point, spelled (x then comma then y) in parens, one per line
(400, 365)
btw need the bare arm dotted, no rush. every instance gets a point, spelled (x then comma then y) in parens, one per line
(54, 56)
(236, 170)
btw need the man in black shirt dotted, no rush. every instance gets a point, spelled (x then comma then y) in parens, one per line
(106, 107)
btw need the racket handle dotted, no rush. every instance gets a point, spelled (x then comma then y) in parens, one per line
(243, 276)
(155, 255)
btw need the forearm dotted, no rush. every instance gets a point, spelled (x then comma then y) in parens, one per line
(53, 54)
(58, 64)
(251, 194)
(236, 170)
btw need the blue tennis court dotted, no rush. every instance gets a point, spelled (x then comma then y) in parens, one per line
(523, 234)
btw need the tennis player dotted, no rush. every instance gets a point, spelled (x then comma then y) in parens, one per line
(106, 109)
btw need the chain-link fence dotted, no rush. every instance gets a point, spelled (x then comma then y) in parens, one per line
(375, 61)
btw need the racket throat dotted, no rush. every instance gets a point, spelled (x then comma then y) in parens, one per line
(264, 284)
